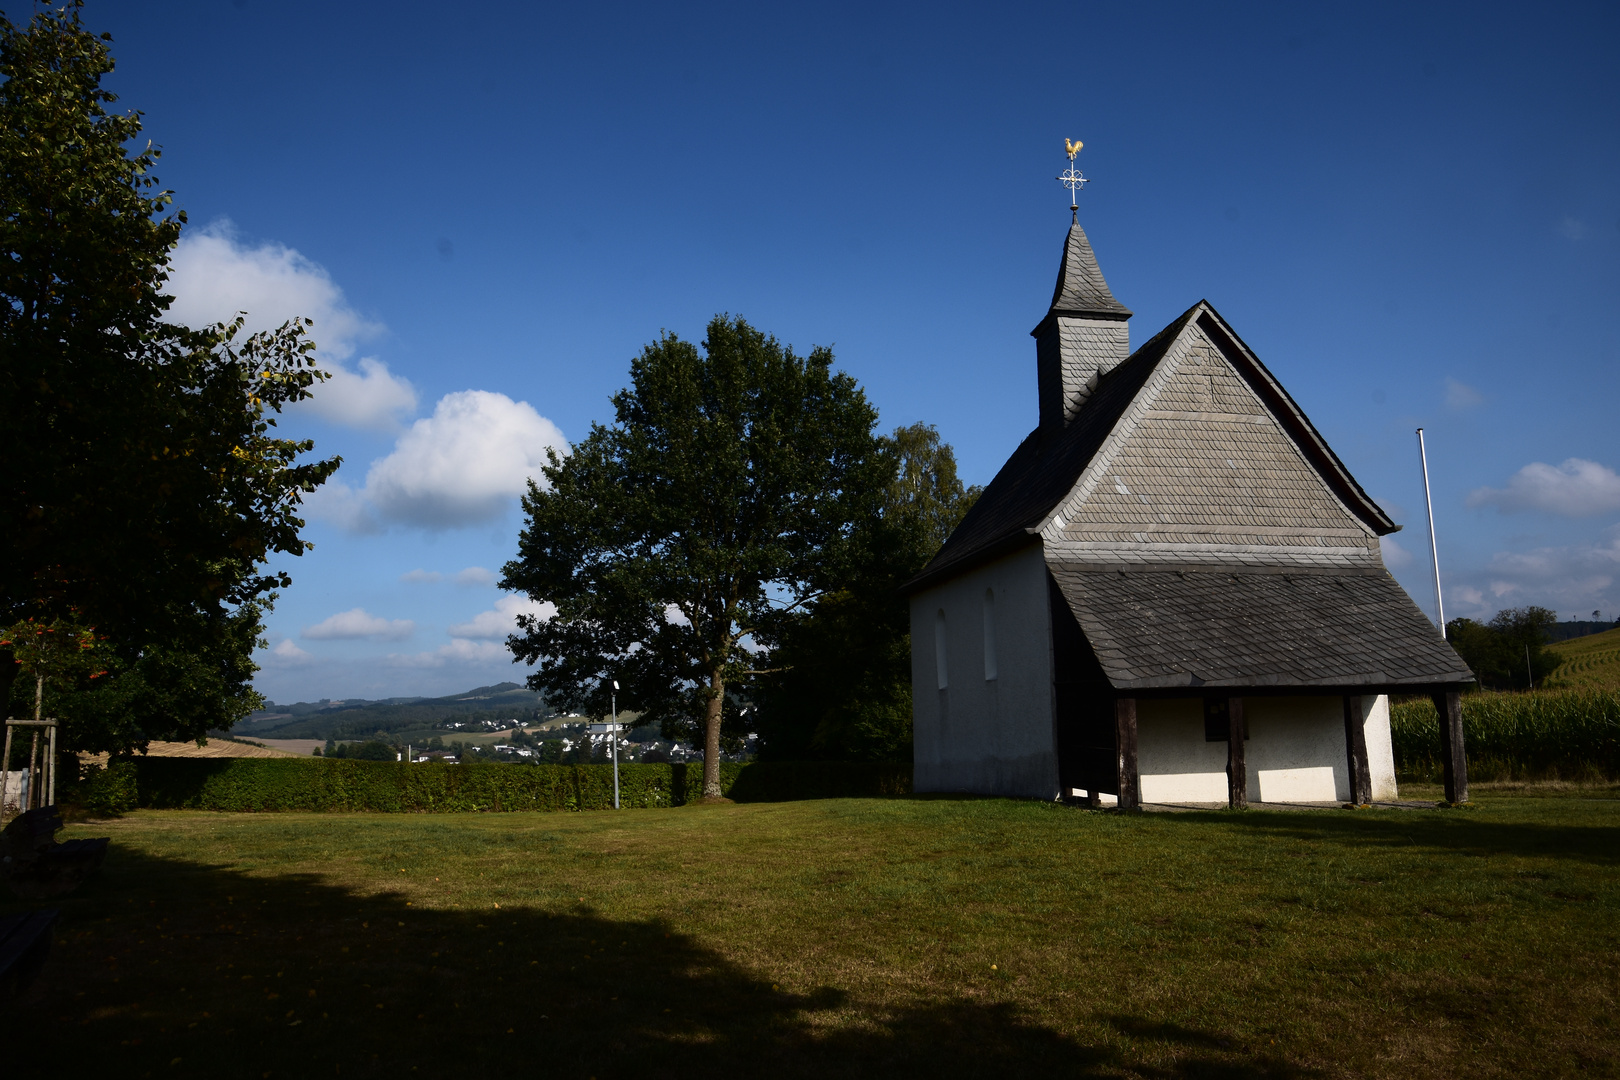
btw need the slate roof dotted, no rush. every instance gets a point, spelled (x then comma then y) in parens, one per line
(1081, 289)
(1224, 628)
(1033, 482)
(1037, 477)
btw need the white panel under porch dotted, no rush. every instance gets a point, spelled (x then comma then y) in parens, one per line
(1295, 752)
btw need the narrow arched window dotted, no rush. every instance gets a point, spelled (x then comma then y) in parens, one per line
(939, 648)
(989, 635)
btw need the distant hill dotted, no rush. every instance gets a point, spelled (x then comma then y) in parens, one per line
(358, 718)
(1589, 663)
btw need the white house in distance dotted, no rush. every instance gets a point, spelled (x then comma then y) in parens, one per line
(1172, 592)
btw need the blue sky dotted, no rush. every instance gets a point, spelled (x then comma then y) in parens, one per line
(1411, 213)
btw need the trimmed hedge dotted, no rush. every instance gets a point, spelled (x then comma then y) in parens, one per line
(336, 785)
(1552, 734)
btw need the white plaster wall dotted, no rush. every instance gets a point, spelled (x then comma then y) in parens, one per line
(1295, 752)
(988, 736)
(1175, 763)
(1380, 747)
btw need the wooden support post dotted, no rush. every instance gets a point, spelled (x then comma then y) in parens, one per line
(1355, 749)
(50, 752)
(1237, 768)
(5, 773)
(1453, 755)
(33, 773)
(1130, 780)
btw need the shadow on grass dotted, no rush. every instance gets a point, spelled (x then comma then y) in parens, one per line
(166, 967)
(1455, 831)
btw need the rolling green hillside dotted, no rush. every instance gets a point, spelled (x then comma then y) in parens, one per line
(392, 716)
(1589, 663)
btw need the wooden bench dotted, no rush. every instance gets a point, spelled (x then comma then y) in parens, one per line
(25, 940)
(35, 867)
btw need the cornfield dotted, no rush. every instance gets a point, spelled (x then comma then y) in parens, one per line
(1542, 735)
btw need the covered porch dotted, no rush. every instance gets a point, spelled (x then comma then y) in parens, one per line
(1268, 747)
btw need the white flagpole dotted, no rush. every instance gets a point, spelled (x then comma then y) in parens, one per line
(1434, 547)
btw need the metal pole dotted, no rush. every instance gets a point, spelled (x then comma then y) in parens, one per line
(1434, 547)
(51, 765)
(1529, 672)
(613, 733)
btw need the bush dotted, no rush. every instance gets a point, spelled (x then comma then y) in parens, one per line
(106, 791)
(1546, 735)
(346, 785)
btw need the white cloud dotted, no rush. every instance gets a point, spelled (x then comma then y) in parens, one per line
(459, 651)
(420, 576)
(501, 620)
(1573, 228)
(360, 623)
(343, 506)
(1396, 557)
(1577, 488)
(464, 465)
(374, 399)
(1460, 395)
(213, 276)
(1574, 578)
(286, 652)
(475, 575)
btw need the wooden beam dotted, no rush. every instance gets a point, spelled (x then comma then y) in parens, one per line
(1355, 748)
(1453, 755)
(1130, 778)
(1237, 768)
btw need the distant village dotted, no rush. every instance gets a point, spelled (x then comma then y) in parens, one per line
(561, 740)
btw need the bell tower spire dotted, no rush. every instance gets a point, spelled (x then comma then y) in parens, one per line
(1086, 332)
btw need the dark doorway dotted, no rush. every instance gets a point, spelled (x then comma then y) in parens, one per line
(1083, 704)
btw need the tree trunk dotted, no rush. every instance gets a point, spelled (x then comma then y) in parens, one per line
(711, 736)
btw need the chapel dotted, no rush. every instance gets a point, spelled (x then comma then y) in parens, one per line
(1172, 592)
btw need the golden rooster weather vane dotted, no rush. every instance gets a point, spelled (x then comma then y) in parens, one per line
(1072, 178)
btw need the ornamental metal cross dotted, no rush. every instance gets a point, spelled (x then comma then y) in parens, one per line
(1072, 178)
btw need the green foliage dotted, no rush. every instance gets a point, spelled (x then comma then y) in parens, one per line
(331, 786)
(107, 790)
(145, 488)
(373, 750)
(1510, 650)
(1570, 735)
(838, 683)
(722, 497)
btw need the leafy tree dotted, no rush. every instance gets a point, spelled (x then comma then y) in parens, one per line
(144, 488)
(1510, 650)
(722, 498)
(839, 679)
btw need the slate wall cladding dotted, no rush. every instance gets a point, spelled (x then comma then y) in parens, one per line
(1200, 460)
(1072, 355)
(1089, 349)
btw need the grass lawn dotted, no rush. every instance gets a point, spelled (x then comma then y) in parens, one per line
(930, 937)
